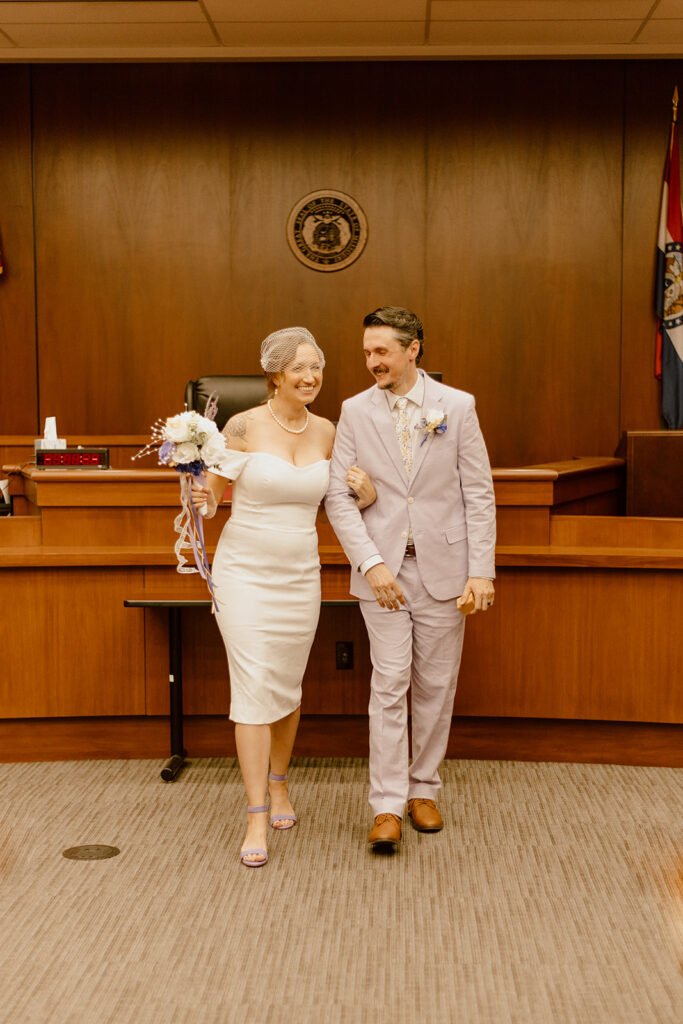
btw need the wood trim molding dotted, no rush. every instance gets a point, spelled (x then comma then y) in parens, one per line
(517, 739)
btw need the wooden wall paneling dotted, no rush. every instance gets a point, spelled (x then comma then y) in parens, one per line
(162, 199)
(649, 91)
(525, 525)
(61, 739)
(206, 684)
(19, 406)
(493, 192)
(69, 646)
(133, 238)
(577, 644)
(206, 690)
(164, 579)
(544, 739)
(20, 530)
(623, 532)
(327, 689)
(130, 528)
(355, 128)
(157, 699)
(68, 739)
(523, 250)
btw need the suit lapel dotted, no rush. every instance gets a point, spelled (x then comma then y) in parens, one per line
(384, 425)
(433, 399)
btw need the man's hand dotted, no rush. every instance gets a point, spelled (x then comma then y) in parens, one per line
(481, 590)
(387, 591)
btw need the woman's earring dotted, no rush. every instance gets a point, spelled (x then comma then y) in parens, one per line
(276, 390)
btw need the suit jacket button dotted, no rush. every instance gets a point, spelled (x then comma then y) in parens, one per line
(411, 500)
(404, 534)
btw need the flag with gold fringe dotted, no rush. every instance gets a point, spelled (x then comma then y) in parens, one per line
(669, 285)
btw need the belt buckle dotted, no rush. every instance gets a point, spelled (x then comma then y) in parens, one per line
(410, 551)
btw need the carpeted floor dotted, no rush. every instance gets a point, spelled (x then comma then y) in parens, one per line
(553, 896)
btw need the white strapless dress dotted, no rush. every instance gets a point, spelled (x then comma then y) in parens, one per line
(266, 573)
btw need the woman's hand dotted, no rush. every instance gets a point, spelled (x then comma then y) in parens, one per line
(204, 499)
(361, 485)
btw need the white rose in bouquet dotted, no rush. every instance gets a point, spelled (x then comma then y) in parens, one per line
(175, 429)
(205, 428)
(185, 452)
(213, 449)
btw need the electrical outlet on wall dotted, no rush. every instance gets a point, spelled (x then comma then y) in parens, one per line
(344, 654)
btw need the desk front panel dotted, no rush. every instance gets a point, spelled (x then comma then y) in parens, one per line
(69, 647)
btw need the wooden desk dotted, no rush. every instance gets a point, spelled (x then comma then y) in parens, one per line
(582, 643)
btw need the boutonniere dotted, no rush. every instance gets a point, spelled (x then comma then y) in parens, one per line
(433, 423)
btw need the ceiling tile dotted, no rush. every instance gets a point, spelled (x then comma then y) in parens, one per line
(669, 31)
(538, 10)
(316, 10)
(531, 33)
(668, 9)
(111, 35)
(322, 33)
(40, 12)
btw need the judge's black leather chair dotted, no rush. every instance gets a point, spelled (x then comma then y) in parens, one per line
(234, 393)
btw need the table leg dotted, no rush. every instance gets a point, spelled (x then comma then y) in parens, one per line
(176, 761)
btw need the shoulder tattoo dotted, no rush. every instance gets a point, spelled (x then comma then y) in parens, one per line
(237, 425)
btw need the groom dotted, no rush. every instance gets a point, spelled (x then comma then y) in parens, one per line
(426, 541)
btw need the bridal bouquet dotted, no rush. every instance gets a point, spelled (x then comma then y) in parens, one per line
(191, 444)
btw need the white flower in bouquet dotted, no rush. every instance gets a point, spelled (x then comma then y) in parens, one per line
(184, 454)
(188, 442)
(176, 429)
(213, 449)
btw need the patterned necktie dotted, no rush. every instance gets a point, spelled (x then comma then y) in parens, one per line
(402, 426)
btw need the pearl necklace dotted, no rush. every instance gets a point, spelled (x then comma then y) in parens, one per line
(289, 430)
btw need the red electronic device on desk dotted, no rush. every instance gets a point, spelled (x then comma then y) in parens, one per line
(72, 458)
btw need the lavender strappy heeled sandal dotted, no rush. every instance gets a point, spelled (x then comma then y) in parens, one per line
(248, 853)
(291, 818)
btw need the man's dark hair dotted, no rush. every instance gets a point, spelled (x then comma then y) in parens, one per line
(406, 326)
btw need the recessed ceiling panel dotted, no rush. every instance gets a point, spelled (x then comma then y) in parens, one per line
(316, 10)
(322, 33)
(66, 36)
(40, 12)
(531, 33)
(538, 10)
(669, 31)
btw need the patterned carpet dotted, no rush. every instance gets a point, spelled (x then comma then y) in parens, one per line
(553, 896)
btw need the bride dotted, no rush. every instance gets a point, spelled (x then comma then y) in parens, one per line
(266, 570)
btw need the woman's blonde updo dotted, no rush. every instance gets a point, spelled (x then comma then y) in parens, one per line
(278, 350)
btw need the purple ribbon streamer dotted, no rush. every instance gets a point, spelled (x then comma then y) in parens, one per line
(199, 550)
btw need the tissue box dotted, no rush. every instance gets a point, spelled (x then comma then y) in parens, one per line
(42, 442)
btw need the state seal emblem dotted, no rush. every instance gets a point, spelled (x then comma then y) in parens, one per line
(327, 230)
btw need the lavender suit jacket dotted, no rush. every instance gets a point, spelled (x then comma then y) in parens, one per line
(448, 500)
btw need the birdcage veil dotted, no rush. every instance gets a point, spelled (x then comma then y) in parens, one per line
(279, 348)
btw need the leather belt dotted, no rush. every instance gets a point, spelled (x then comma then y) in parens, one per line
(410, 551)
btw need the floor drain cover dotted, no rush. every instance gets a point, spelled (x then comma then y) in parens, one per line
(91, 852)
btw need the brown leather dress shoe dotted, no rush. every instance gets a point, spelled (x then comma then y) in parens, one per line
(424, 815)
(386, 832)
